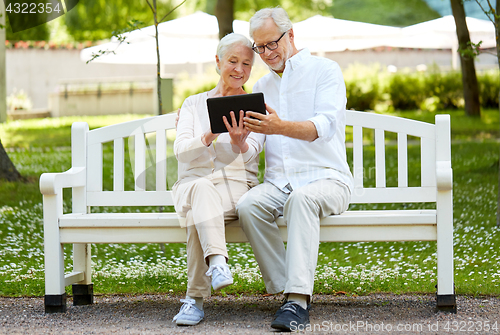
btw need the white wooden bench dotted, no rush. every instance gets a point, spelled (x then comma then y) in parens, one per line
(85, 178)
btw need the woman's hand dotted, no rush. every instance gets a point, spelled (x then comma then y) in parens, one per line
(208, 138)
(237, 132)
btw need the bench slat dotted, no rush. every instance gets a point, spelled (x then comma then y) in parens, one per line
(94, 170)
(359, 196)
(380, 158)
(390, 123)
(358, 173)
(402, 160)
(73, 277)
(359, 233)
(140, 161)
(146, 220)
(161, 160)
(393, 195)
(236, 234)
(127, 129)
(378, 233)
(118, 164)
(428, 162)
(130, 198)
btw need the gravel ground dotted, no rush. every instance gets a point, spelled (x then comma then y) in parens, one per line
(152, 314)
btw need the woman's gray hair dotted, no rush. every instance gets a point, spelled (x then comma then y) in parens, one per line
(279, 16)
(229, 41)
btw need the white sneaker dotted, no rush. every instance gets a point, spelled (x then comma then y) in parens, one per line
(189, 315)
(221, 276)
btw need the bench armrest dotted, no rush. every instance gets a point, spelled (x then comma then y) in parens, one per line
(444, 176)
(52, 183)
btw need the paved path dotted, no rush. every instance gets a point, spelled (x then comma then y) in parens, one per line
(152, 314)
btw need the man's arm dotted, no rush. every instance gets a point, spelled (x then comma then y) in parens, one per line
(301, 130)
(271, 124)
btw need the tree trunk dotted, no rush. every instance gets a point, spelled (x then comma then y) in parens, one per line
(3, 68)
(469, 78)
(7, 170)
(158, 64)
(497, 34)
(224, 11)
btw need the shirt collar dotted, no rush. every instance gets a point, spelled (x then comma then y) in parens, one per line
(296, 60)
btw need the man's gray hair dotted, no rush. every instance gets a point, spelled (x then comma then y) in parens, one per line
(230, 40)
(279, 16)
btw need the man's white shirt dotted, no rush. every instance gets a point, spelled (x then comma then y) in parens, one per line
(311, 88)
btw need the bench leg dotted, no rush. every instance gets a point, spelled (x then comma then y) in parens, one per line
(446, 299)
(55, 294)
(55, 303)
(83, 292)
(446, 303)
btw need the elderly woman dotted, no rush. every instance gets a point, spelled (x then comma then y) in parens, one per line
(215, 170)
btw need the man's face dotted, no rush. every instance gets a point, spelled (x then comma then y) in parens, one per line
(269, 32)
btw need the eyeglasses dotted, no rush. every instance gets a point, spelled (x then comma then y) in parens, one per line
(259, 49)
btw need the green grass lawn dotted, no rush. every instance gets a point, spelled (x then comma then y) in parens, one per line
(356, 268)
(52, 132)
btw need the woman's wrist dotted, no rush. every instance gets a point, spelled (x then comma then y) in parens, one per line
(242, 147)
(204, 139)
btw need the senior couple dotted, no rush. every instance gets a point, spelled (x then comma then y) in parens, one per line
(307, 176)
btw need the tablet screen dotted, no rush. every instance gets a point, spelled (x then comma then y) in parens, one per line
(217, 107)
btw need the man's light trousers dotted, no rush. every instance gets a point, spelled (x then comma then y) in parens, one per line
(291, 270)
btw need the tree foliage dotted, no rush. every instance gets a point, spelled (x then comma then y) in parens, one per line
(386, 12)
(297, 11)
(38, 33)
(98, 19)
(228, 10)
(245, 9)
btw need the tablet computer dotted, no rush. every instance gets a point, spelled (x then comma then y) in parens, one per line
(220, 106)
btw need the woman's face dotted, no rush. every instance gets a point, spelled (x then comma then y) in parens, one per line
(235, 65)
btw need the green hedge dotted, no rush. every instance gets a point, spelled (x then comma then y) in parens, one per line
(363, 86)
(407, 91)
(429, 90)
(446, 88)
(489, 86)
(361, 98)
(371, 88)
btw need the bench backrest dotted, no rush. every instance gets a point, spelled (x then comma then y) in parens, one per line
(434, 147)
(130, 145)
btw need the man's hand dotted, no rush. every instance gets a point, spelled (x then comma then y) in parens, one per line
(265, 124)
(271, 124)
(237, 132)
(177, 118)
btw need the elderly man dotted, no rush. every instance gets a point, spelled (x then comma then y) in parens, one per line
(307, 175)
